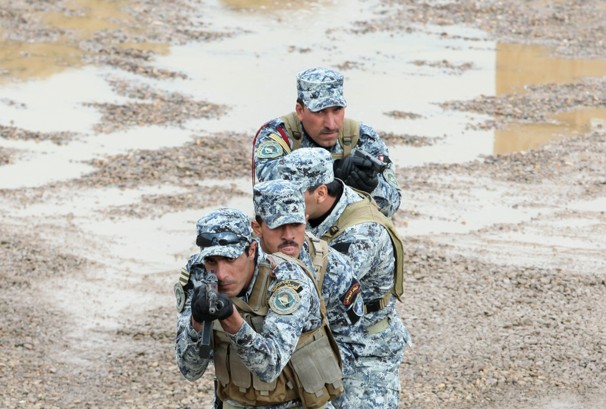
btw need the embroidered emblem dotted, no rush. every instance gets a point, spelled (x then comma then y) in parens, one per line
(350, 296)
(284, 300)
(294, 284)
(358, 306)
(390, 177)
(180, 296)
(184, 277)
(269, 149)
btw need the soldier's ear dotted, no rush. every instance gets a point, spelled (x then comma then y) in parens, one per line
(321, 193)
(256, 228)
(299, 110)
(252, 248)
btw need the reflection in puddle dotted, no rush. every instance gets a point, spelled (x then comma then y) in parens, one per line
(83, 19)
(520, 65)
(522, 137)
(87, 17)
(20, 60)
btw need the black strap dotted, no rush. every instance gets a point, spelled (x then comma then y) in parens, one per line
(373, 306)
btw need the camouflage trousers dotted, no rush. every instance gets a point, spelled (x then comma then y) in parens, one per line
(229, 406)
(372, 389)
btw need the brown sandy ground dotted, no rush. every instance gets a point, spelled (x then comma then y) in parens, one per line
(496, 324)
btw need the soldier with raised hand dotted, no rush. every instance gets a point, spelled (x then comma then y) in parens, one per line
(270, 342)
(334, 275)
(352, 224)
(361, 158)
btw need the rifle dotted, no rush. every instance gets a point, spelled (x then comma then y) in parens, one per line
(377, 165)
(214, 304)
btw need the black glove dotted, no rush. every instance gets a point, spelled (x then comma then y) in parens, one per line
(357, 172)
(203, 301)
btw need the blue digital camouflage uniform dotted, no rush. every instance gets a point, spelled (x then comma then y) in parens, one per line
(280, 202)
(371, 254)
(265, 354)
(320, 88)
(344, 305)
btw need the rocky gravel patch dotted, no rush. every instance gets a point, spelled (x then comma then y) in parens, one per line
(59, 138)
(537, 104)
(218, 157)
(574, 27)
(152, 107)
(487, 331)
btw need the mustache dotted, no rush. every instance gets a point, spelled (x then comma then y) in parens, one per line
(329, 130)
(288, 243)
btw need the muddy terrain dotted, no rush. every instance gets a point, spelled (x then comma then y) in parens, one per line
(504, 315)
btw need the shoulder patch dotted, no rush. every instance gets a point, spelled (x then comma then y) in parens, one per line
(357, 309)
(284, 300)
(269, 149)
(184, 277)
(351, 294)
(390, 177)
(294, 284)
(352, 301)
(180, 296)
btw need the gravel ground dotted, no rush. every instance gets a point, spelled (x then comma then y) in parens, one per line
(502, 317)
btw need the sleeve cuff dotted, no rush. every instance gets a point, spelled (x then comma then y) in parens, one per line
(244, 336)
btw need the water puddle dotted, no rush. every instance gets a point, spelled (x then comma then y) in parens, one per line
(253, 73)
(83, 19)
(43, 86)
(521, 65)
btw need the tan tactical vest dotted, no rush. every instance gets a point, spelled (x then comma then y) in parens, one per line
(318, 251)
(348, 136)
(314, 372)
(364, 211)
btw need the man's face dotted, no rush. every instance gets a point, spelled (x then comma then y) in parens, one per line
(287, 238)
(233, 275)
(322, 126)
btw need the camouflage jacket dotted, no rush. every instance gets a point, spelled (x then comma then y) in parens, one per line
(264, 354)
(387, 194)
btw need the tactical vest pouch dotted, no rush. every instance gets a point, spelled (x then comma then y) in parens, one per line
(220, 359)
(317, 372)
(313, 374)
(243, 386)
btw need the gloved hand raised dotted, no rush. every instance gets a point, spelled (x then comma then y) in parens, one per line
(357, 172)
(208, 305)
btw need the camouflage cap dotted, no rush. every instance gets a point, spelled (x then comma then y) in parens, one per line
(308, 167)
(223, 232)
(320, 88)
(279, 202)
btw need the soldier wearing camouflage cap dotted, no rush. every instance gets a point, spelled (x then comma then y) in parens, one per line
(352, 224)
(361, 158)
(264, 309)
(280, 225)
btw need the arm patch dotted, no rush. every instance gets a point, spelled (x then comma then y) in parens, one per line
(269, 150)
(352, 301)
